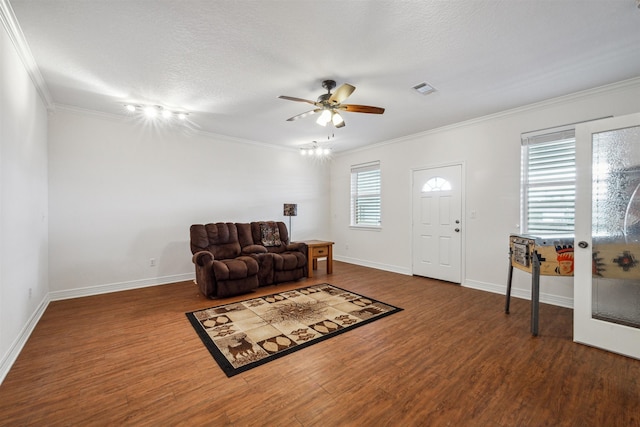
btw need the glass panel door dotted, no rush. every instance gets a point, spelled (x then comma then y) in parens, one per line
(615, 230)
(607, 279)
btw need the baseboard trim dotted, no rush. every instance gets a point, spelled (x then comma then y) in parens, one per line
(16, 347)
(120, 286)
(474, 284)
(10, 357)
(378, 266)
(519, 293)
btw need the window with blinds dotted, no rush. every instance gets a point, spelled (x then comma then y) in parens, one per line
(365, 195)
(549, 181)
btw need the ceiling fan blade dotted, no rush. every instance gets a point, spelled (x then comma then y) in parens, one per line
(302, 115)
(353, 108)
(291, 98)
(342, 93)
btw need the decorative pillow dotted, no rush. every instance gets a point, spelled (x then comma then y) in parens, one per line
(270, 235)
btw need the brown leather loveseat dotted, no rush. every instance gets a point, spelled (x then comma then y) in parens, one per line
(235, 258)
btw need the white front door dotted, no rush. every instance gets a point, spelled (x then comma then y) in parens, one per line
(437, 223)
(607, 251)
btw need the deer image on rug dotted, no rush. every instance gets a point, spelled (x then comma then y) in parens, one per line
(244, 348)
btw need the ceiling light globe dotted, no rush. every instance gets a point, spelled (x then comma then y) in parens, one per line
(150, 112)
(325, 117)
(130, 108)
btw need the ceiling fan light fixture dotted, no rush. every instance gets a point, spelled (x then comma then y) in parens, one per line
(328, 105)
(325, 117)
(337, 119)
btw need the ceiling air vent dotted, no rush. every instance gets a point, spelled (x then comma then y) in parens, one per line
(424, 88)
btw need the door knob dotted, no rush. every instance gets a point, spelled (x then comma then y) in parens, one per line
(457, 230)
(583, 244)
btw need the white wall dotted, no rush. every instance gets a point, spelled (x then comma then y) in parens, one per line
(122, 193)
(490, 150)
(23, 204)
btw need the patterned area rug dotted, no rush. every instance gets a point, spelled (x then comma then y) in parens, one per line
(246, 334)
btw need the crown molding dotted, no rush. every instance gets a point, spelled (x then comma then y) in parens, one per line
(10, 23)
(621, 85)
(188, 131)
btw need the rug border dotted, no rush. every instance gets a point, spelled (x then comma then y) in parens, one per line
(230, 371)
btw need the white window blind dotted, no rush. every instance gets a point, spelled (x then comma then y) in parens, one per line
(365, 195)
(549, 181)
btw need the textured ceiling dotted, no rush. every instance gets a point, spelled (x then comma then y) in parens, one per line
(228, 61)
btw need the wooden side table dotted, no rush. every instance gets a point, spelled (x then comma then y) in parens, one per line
(319, 249)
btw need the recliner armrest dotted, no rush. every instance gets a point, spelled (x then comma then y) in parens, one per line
(254, 249)
(297, 246)
(202, 258)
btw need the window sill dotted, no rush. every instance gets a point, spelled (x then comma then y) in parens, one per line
(366, 227)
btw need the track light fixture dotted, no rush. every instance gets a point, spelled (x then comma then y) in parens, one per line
(154, 111)
(315, 151)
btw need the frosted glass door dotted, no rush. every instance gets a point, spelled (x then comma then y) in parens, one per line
(607, 257)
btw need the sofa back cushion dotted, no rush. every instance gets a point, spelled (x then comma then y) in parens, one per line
(244, 234)
(221, 239)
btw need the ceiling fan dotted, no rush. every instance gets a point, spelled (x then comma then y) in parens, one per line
(329, 105)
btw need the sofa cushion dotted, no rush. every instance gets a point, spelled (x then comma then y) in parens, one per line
(244, 235)
(289, 261)
(234, 269)
(270, 234)
(199, 238)
(223, 240)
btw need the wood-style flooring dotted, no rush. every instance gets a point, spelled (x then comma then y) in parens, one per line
(451, 358)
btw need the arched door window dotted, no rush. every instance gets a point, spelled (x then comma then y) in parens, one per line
(436, 183)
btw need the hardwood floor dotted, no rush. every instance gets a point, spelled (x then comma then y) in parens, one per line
(451, 358)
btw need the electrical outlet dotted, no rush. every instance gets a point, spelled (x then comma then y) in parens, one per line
(152, 262)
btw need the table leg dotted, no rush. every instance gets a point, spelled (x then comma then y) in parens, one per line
(509, 280)
(535, 294)
(330, 260)
(309, 263)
